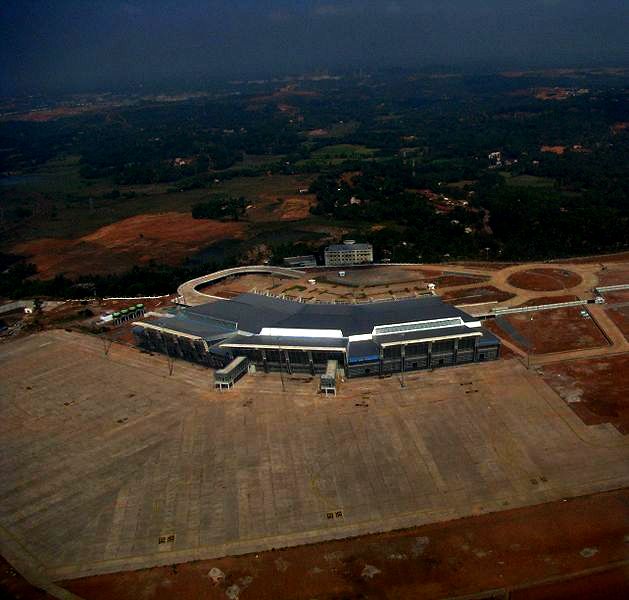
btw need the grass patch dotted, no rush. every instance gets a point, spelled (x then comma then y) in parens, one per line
(253, 187)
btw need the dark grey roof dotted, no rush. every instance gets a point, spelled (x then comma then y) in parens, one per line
(191, 324)
(427, 334)
(488, 339)
(252, 312)
(254, 341)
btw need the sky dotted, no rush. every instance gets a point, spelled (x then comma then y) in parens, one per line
(77, 45)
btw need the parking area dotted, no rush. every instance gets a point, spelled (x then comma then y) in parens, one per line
(109, 463)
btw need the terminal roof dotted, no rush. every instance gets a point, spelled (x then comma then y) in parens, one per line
(427, 334)
(192, 324)
(252, 312)
(285, 343)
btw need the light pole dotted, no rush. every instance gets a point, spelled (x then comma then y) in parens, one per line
(281, 370)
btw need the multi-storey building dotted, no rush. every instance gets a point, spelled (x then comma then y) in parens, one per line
(348, 253)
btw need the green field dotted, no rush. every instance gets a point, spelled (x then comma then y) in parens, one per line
(252, 187)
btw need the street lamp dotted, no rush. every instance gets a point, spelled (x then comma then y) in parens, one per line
(281, 370)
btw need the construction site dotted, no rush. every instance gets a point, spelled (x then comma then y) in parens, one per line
(122, 465)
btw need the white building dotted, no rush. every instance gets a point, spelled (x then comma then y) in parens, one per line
(348, 253)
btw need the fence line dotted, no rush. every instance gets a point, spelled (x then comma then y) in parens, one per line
(521, 309)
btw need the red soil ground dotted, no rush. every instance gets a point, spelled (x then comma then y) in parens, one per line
(607, 585)
(620, 316)
(617, 303)
(595, 388)
(512, 549)
(614, 274)
(615, 298)
(452, 280)
(554, 330)
(544, 279)
(553, 149)
(166, 237)
(487, 293)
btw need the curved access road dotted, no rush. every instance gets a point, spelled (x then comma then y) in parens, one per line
(191, 296)
(499, 279)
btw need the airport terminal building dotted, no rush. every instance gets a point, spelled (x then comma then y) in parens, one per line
(371, 338)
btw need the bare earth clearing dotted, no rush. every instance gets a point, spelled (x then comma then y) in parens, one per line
(544, 279)
(596, 389)
(550, 331)
(166, 237)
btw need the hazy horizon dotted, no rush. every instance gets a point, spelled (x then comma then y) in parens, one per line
(77, 46)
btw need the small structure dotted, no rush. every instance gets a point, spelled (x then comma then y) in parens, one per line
(495, 159)
(328, 379)
(127, 314)
(295, 262)
(226, 377)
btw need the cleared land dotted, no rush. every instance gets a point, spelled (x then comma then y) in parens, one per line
(167, 238)
(617, 307)
(504, 551)
(487, 293)
(549, 331)
(544, 279)
(614, 274)
(101, 456)
(596, 388)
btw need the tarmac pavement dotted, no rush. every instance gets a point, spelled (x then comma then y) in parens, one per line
(107, 463)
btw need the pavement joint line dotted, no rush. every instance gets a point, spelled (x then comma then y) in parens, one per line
(248, 545)
(386, 398)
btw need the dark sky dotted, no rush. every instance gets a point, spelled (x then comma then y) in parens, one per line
(81, 44)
